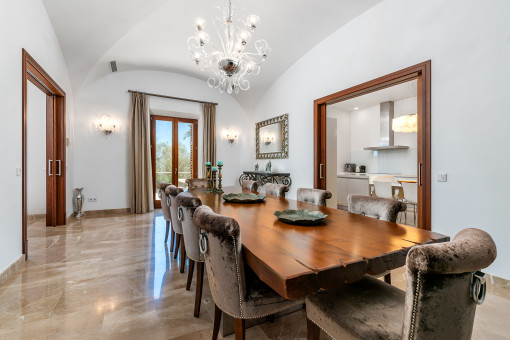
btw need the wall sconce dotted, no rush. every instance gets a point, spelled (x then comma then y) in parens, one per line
(267, 138)
(231, 135)
(106, 124)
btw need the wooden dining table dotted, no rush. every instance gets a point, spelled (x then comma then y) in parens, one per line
(297, 261)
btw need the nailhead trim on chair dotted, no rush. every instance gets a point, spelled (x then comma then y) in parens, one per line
(238, 279)
(415, 305)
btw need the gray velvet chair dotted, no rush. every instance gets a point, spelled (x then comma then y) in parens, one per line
(376, 207)
(165, 208)
(274, 189)
(172, 191)
(250, 185)
(438, 302)
(196, 183)
(314, 196)
(187, 204)
(235, 288)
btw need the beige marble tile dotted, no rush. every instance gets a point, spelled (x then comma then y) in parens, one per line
(111, 277)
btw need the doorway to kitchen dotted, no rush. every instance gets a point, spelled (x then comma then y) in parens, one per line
(174, 151)
(53, 134)
(380, 129)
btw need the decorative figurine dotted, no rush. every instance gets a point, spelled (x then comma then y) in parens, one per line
(219, 190)
(268, 166)
(257, 167)
(208, 176)
(79, 203)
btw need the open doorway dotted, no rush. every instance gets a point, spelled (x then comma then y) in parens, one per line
(381, 148)
(43, 91)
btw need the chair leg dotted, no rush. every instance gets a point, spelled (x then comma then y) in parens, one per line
(414, 214)
(313, 331)
(387, 278)
(177, 244)
(172, 240)
(183, 255)
(217, 319)
(200, 284)
(240, 329)
(167, 230)
(190, 273)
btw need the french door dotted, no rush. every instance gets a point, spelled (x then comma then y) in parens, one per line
(174, 151)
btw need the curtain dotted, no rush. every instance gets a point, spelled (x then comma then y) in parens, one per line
(209, 143)
(142, 199)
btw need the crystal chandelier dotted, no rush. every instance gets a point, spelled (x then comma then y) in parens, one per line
(231, 64)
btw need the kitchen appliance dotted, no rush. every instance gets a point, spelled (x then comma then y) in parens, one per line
(350, 167)
(362, 169)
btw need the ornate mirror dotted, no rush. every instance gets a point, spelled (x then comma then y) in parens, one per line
(272, 138)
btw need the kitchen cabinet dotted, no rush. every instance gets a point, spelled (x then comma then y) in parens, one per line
(351, 185)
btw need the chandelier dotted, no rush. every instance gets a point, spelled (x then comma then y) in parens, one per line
(227, 57)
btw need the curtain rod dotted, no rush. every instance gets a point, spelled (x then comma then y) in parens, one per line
(170, 97)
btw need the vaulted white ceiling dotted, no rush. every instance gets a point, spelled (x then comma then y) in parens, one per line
(152, 34)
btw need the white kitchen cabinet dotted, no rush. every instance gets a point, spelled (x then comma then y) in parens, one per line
(350, 185)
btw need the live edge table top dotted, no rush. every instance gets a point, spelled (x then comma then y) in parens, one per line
(298, 260)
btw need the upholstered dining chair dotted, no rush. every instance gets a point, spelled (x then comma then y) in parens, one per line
(314, 196)
(165, 208)
(376, 207)
(173, 191)
(187, 204)
(274, 189)
(250, 185)
(196, 183)
(235, 288)
(444, 286)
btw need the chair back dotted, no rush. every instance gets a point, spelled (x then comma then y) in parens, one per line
(250, 185)
(223, 259)
(375, 207)
(410, 192)
(165, 200)
(196, 183)
(187, 203)
(274, 189)
(383, 189)
(172, 191)
(439, 302)
(314, 196)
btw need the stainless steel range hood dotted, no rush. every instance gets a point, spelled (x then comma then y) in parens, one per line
(386, 141)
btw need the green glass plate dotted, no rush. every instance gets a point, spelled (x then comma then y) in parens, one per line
(300, 217)
(243, 198)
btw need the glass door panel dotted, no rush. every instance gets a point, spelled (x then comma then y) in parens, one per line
(164, 152)
(185, 152)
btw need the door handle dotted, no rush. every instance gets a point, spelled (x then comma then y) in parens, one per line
(321, 166)
(49, 167)
(59, 167)
(176, 171)
(419, 174)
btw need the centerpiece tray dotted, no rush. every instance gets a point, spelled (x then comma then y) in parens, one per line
(300, 217)
(243, 198)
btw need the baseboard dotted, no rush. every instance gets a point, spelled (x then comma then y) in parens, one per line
(105, 212)
(36, 217)
(7, 272)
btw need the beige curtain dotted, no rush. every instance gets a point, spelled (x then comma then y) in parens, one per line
(209, 147)
(142, 199)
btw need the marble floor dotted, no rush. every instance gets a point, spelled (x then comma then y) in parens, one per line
(111, 277)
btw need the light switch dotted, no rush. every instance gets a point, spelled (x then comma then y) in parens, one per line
(441, 177)
(18, 172)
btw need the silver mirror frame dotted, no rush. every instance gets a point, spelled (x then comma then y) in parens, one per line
(284, 120)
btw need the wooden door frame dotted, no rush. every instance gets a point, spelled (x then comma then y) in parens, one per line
(35, 73)
(421, 72)
(194, 151)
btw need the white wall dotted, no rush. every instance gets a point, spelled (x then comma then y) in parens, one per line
(36, 150)
(343, 119)
(101, 163)
(23, 24)
(469, 45)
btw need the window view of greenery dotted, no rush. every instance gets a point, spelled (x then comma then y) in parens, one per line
(185, 148)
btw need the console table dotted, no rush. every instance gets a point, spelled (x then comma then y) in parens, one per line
(266, 177)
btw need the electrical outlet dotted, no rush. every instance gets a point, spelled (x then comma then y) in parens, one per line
(442, 177)
(93, 200)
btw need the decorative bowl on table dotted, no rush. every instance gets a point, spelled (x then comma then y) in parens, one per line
(300, 217)
(243, 198)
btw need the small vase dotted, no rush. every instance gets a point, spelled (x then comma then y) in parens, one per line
(79, 202)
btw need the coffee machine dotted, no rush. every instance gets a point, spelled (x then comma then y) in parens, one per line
(362, 169)
(350, 167)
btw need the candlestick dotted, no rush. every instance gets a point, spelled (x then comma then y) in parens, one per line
(213, 189)
(219, 190)
(208, 176)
